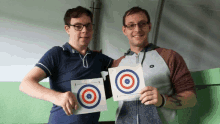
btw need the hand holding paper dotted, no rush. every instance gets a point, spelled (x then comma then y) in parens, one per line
(150, 95)
(67, 101)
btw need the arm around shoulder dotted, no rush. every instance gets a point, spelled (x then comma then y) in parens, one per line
(116, 62)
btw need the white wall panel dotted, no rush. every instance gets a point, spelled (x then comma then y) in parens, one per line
(192, 29)
(27, 30)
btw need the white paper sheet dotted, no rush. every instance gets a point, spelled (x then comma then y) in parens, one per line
(126, 82)
(90, 95)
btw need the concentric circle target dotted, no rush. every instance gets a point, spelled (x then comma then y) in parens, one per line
(127, 81)
(89, 96)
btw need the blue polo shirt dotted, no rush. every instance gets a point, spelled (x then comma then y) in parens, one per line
(63, 64)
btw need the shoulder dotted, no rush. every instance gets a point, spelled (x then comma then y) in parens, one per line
(116, 62)
(54, 50)
(96, 53)
(57, 48)
(53, 54)
(168, 54)
(165, 51)
(101, 55)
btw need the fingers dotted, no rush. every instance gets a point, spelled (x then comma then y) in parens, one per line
(154, 101)
(69, 109)
(145, 94)
(75, 106)
(66, 110)
(69, 103)
(148, 88)
(73, 103)
(149, 95)
(146, 98)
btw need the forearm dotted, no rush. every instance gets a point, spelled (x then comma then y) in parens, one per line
(35, 90)
(180, 101)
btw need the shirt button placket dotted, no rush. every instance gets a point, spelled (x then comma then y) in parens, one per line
(137, 59)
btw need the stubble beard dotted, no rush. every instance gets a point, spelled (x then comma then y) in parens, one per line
(138, 43)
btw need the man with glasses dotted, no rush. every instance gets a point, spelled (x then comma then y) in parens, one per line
(73, 61)
(169, 85)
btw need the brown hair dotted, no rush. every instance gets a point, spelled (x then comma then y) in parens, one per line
(134, 10)
(76, 13)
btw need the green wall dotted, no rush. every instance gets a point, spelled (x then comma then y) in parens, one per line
(17, 107)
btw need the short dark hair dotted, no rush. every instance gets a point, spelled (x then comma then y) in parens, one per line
(76, 13)
(134, 10)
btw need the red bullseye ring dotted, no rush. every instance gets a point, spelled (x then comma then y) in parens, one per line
(83, 96)
(131, 84)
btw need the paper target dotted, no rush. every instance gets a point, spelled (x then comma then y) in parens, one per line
(127, 81)
(89, 96)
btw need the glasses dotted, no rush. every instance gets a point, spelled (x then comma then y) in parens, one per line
(79, 27)
(140, 25)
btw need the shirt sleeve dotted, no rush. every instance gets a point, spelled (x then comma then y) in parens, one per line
(181, 76)
(106, 62)
(48, 61)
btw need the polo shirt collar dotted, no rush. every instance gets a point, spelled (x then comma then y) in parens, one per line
(129, 52)
(67, 47)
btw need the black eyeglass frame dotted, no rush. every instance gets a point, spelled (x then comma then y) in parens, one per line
(82, 26)
(135, 25)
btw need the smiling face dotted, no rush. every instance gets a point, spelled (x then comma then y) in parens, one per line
(138, 37)
(79, 38)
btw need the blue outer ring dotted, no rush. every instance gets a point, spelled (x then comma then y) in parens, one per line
(116, 83)
(89, 107)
